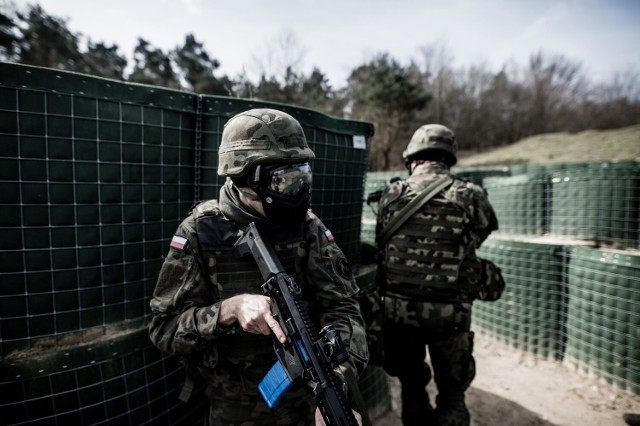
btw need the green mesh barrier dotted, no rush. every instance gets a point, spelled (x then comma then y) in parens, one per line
(596, 201)
(95, 176)
(520, 203)
(120, 380)
(375, 181)
(530, 313)
(603, 318)
(477, 174)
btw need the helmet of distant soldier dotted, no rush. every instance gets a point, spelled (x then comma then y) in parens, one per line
(261, 136)
(433, 139)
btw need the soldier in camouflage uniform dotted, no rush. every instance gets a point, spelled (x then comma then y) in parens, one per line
(208, 306)
(431, 275)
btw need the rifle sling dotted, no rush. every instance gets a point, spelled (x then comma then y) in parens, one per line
(413, 206)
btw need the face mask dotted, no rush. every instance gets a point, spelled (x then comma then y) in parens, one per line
(284, 191)
(285, 210)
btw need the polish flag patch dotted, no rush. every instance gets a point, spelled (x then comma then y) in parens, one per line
(178, 242)
(329, 235)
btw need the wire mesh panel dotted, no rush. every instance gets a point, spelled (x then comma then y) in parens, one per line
(95, 176)
(477, 174)
(520, 203)
(121, 380)
(530, 313)
(375, 181)
(603, 319)
(597, 201)
(593, 325)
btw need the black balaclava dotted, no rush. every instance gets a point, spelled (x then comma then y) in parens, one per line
(285, 209)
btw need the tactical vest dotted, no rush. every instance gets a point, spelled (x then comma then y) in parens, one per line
(431, 256)
(230, 276)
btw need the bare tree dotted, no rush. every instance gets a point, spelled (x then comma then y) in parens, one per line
(556, 85)
(437, 79)
(280, 58)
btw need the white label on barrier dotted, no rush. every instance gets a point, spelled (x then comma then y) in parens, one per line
(359, 142)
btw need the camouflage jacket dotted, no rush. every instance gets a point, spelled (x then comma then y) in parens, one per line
(200, 271)
(434, 251)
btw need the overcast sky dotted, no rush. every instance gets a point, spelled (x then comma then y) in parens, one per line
(338, 35)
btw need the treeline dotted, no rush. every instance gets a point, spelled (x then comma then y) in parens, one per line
(485, 108)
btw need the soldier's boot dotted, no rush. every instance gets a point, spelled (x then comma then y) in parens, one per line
(416, 407)
(451, 410)
(632, 419)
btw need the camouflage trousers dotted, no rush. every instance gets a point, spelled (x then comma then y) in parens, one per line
(450, 344)
(240, 404)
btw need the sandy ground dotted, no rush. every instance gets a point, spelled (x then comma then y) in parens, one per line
(515, 388)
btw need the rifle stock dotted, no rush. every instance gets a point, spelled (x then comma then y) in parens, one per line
(306, 355)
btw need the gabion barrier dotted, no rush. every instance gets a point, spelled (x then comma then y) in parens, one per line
(95, 176)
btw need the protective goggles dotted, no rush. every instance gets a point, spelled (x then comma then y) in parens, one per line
(282, 179)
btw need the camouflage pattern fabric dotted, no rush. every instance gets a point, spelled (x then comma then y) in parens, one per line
(259, 136)
(492, 282)
(231, 408)
(432, 136)
(451, 354)
(433, 254)
(426, 306)
(372, 307)
(200, 271)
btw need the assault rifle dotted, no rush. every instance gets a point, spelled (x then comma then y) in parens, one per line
(306, 355)
(374, 196)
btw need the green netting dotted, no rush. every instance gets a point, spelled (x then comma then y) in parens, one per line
(94, 176)
(375, 181)
(530, 313)
(528, 169)
(120, 380)
(520, 203)
(596, 201)
(603, 318)
(477, 174)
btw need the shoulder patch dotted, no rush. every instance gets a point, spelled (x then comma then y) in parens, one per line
(178, 242)
(343, 268)
(329, 236)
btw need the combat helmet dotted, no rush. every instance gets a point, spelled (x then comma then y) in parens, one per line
(433, 137)
(261, 136)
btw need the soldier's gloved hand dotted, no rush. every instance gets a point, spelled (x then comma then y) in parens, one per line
(320, 420)
(252, 312)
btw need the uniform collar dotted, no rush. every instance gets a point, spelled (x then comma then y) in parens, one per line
(430, 167)
(234, 209)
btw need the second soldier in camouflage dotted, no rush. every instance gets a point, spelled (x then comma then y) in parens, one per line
(431, 276)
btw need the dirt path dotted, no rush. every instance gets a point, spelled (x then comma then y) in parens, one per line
(515, 388)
